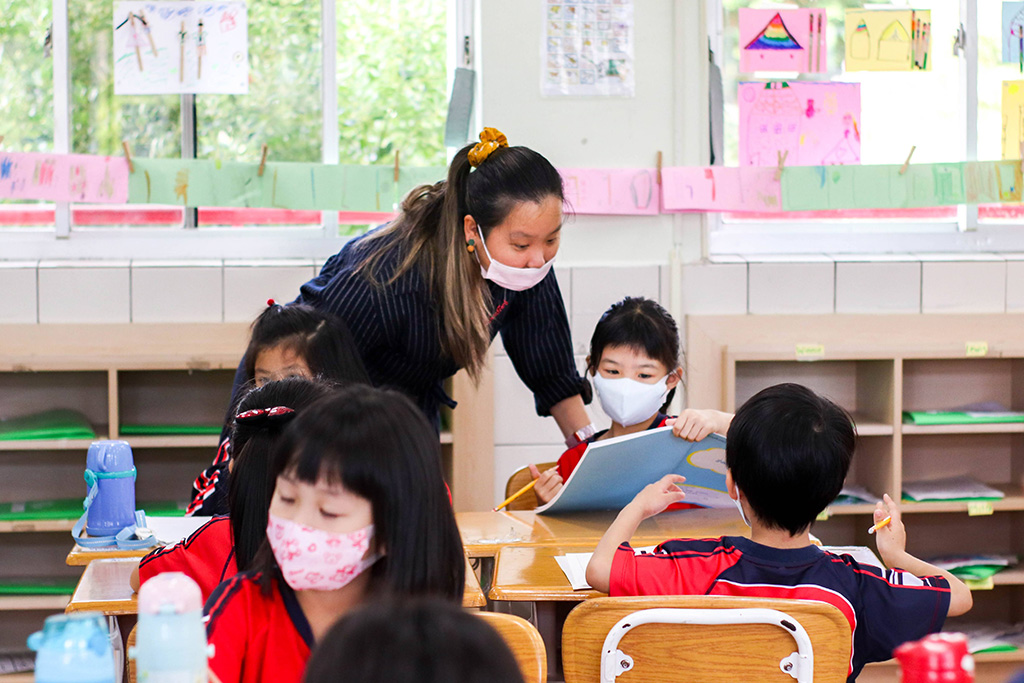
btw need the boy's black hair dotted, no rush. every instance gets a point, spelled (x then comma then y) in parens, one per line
(642, 325)
(378, 445)
(321, 339)
(423, 640)
(789, 451)
(252, 441)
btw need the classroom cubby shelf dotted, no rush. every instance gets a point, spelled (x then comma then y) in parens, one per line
(877, 367)
(173, 374)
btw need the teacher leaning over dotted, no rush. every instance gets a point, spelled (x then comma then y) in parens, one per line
(465, 259)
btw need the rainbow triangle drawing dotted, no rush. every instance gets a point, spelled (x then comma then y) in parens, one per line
(775, 36)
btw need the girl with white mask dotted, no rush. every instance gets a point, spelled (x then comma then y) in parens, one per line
(634, 365)
(359, 510)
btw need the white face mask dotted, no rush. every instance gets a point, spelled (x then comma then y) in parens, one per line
(628, 401)
(312, 559)
(514, 279)
(739, 507)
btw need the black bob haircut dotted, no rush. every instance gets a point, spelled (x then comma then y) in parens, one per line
(424, 640)
(378, 445)
(642, 325)
(321, 339)
(252, 442)
(789, 451)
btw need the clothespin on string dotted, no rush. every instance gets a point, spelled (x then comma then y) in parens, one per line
(263, 161)
(659, 167)
(396, 165)
(782, 165)
(1021, 155)
(128, 156)
(906, 164)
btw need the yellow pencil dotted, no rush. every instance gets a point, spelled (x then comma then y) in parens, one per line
(879, 525)
(516, 495)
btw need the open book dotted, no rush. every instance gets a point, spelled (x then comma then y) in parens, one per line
(613, 471)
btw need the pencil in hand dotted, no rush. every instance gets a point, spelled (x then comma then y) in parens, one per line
(516, 495)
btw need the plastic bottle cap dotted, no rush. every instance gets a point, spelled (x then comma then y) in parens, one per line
(170, 592)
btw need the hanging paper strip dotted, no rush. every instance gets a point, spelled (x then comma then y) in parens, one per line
(63, 177)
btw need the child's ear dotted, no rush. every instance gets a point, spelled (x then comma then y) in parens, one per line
(674, 378)
(730, 485)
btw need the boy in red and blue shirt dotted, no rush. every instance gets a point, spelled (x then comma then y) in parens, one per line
(788, 452)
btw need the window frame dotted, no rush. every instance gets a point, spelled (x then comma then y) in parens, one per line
(63, 239)
(965, 233)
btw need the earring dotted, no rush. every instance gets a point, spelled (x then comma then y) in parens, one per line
(470, 246)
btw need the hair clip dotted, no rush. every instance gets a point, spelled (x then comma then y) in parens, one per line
(277, 414)
(270, 302)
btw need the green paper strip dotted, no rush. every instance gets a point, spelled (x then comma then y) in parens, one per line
(817, 188)
(38, 586)
(953, 418)
(283, 185)
(71, 508)
(51, 424)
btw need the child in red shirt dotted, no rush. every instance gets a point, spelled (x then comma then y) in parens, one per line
(634, 364)
(286, 341)
(787, 451)
(358, 510)
(225, 545)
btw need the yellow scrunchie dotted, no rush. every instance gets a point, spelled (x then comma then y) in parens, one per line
(490, 140)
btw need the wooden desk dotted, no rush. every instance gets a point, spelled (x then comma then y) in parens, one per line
(532, 575)
(485, 533)
(80, 557)
(473, 596)
(104, 588)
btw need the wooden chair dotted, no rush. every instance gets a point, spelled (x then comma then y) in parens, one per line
(524, 641)
(518, 480)
(637, 638)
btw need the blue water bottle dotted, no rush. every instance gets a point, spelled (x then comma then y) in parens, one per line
(73, 648)
(111, 469)
(170, 640)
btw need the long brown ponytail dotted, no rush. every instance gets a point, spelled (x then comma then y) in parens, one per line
(429, 233)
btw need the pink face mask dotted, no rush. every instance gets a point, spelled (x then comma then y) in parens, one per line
(311, 559)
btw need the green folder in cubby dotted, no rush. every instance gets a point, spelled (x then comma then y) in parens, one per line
(52, 424)
(169, 430)
(71, 508)
(38, 585)
(947, 417)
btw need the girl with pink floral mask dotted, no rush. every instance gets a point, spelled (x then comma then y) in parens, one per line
(358, 510)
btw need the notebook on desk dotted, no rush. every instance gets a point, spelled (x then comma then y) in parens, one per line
(613, 471)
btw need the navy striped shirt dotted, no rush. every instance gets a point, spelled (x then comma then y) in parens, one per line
(397, 329)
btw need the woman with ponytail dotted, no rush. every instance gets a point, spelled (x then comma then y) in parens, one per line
(467, 258)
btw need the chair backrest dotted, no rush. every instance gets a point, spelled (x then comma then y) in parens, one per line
(129, 644)
(518, 480)
(703, 652)
(524, 641)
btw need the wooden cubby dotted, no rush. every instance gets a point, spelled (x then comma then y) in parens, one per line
(877, 367)
(147, 374)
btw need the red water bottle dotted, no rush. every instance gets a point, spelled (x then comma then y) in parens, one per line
(938, 658)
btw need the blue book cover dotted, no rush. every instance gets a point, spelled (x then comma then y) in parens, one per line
(613, 471)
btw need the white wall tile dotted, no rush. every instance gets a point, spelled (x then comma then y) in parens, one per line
(963, 287)
(248, 285)
(714, 289)
(891, 287)
(177, 292)
(84, 292)
(18, 292)
(594, 289)
(791, 287)
(1015, 285)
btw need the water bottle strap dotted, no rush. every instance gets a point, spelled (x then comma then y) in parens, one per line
(91, 476)
(124, 539)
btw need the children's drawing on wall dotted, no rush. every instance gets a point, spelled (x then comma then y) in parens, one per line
(1013, 34)
(587, 48)
(782, 40)
(1013, 119)
(180, 47)
(888, 40)
(810, 123)
(63, 177)
(619, 191)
